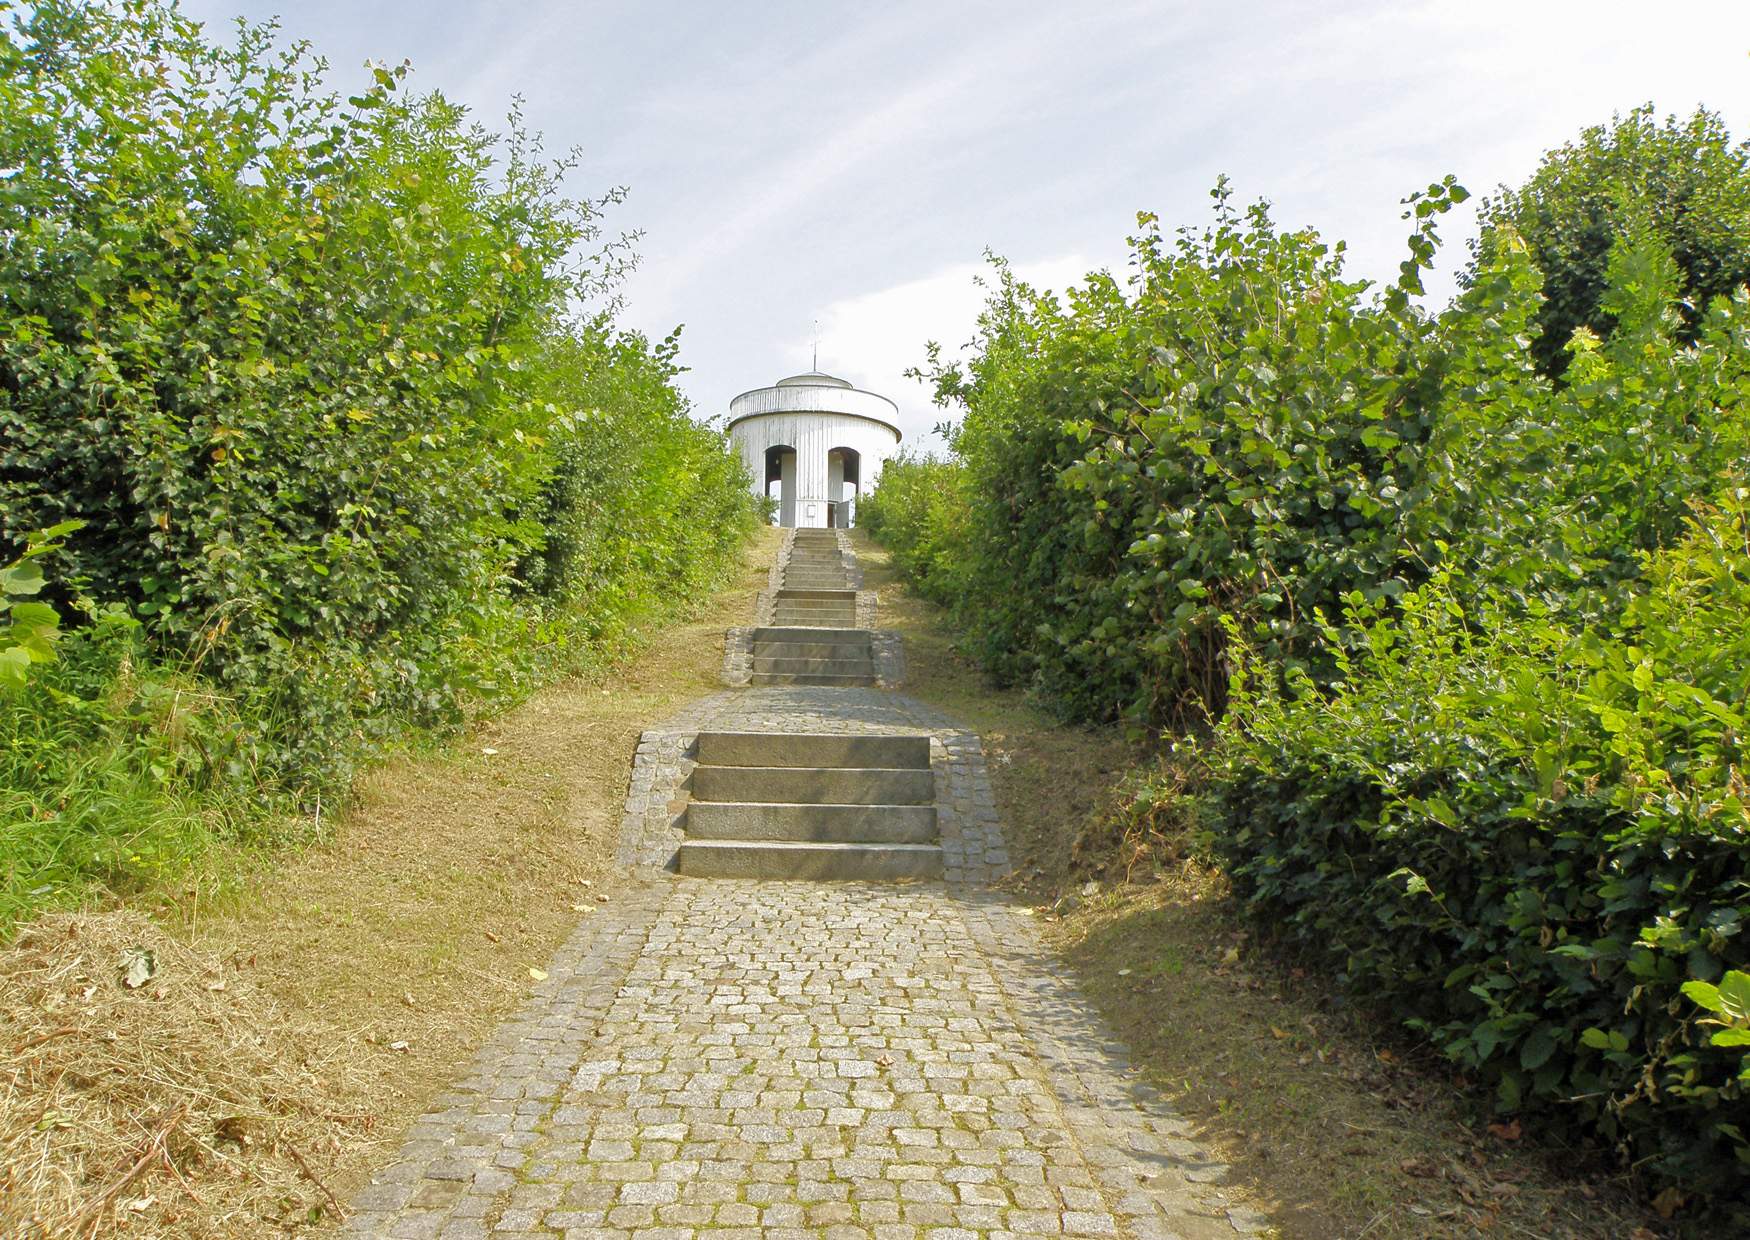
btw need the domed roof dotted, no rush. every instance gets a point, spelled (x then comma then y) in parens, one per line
(812, 378)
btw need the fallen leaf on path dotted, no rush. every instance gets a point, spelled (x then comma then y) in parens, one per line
(491, 937)
(488, 750)
(139, 966)
(540, 975)
(1507, 1132)
(580, 908)
(399, 1046)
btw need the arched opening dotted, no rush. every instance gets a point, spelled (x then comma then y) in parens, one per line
(844, 486)
(781, 474)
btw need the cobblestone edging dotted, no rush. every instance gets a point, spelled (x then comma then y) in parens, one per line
(867, 603)
(653, 823)
(738, 657)
(888, 651)
(853, 566)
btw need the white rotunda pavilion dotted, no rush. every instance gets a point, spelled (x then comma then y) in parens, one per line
(815, 443)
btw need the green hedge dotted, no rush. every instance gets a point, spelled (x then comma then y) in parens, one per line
(309, 369)
(1523, 840)
(348, 454)
(1504, 796)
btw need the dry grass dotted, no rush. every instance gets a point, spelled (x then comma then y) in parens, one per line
(1333, 1125)
(359, 976)
(182, 1105)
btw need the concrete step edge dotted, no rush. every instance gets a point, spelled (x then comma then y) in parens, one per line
(889, 751)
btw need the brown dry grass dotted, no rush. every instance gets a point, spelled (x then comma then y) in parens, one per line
(359, 976)
(1333, 1125)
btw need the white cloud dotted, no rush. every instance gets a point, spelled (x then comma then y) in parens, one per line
(873, 338)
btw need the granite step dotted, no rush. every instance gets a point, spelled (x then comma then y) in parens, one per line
(783, 859)
(837, 824)
(814, 749)
(826, 679)
(815, 785)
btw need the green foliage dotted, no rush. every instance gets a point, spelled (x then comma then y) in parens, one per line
(309, 389)
(1504, 797)
(304, 365)
(918, 511)
(1241, 432)
(640, 499)
(117, 771)
(1729, 1003)
(1524, 840)
(1554, 495)
(1683, 179)
(28, 626)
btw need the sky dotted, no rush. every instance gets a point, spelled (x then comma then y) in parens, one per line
(849, 164)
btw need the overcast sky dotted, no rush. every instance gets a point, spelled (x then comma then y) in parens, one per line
(851, 162)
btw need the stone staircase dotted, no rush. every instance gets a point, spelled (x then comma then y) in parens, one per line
(812, 806)
(813, 638)
(815, 587)
(801, 655)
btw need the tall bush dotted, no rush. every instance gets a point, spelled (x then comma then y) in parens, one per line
(918, 511)
(1524, 840)
(1240, 431)
(1684, 178)
(1469, 642)
(308, 368)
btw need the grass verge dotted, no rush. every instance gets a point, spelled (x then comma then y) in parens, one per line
(291, 1027)
(1333, 1125)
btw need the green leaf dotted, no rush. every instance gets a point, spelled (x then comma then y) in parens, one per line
(1734, 994)
(1536, 1050)
(15, 664)
(21, 579)
(1704, 995)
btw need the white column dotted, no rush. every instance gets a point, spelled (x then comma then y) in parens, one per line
(787, 489)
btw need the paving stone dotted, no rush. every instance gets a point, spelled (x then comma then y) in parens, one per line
(745, 1059)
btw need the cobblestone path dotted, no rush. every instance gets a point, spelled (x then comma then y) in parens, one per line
(729, 1058)
(740, 1059)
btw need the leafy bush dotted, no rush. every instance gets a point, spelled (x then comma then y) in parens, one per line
(1524, 841)
(641, 500)
(918, 511)
(1504, 798)
(1242, 431)
(1684, 180)
(342, 450)
(306, 367)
